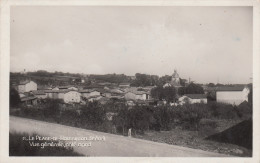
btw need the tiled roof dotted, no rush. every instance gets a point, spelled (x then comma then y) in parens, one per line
(235, 88)
(196, 96)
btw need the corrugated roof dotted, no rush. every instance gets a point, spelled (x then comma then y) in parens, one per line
(196, 96)
(234, 88)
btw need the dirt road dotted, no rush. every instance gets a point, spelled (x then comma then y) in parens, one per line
(113, 145)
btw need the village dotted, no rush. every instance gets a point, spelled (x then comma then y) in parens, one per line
(32, 93)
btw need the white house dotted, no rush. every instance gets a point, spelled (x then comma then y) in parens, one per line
(193, 98)
(72, 97)
(27, 86)
(56, 94)
(232, 95)
(137, 95)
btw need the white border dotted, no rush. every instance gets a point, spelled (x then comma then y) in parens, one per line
(5, 69)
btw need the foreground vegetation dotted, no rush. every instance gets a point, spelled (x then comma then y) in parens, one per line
(202, 120)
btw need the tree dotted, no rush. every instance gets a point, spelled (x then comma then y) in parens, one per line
(211, 85)
(167, 93)
(145, 80)
(157, 93)
(182, 91)
(182, 82)
(193, 88)
(14, 98)
(164, 79)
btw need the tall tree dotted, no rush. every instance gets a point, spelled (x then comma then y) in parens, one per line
(14, 98)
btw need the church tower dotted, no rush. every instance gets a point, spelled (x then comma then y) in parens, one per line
(175, 79)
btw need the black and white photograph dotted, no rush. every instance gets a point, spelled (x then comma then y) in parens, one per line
(131, 81)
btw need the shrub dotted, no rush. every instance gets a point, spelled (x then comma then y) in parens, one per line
(222, 111)
(190, 115)
(244, 110)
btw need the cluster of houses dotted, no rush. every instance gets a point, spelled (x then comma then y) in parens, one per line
(29, 93)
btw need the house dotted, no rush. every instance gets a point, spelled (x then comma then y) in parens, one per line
(87, 93)
(84, 93)
(137, 95)
(94, 98)
(72, 96)
(55, 88)
(124, 85)
(117, 95)
(56, 94)
(27, 86)
(232, 95)
(68, 87)
(29, 100)
(193, 98)
(116, 90)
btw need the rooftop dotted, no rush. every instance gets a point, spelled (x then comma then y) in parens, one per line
(234, 88)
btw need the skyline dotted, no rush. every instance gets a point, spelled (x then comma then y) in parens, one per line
(208, 44)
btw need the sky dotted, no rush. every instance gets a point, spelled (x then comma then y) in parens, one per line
(207, 44)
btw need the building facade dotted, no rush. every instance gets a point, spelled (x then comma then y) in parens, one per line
(72, 97)
(193, 98)
(27, 86)
(232, 95)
